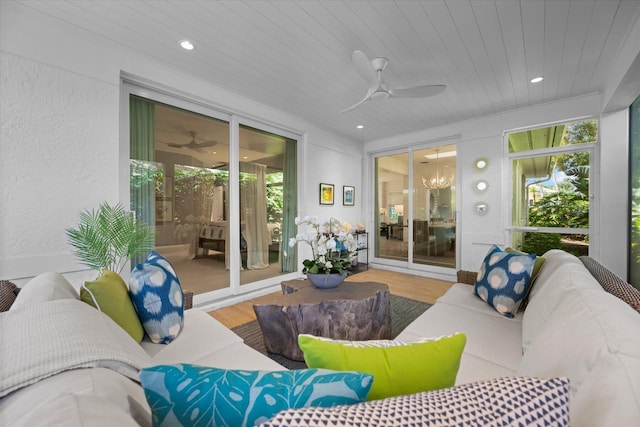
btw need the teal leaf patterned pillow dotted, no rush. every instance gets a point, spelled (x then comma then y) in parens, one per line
(157, 296)
(191, 395)
(503, 280)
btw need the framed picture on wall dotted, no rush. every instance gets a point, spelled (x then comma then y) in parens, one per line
(326, 194)
(348, 195)
(164, 210)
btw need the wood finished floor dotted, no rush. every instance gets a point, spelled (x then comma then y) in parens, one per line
(404, 285)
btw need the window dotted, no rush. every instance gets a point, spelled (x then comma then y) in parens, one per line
(551, 194)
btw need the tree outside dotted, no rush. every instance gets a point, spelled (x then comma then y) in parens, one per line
(566, 203)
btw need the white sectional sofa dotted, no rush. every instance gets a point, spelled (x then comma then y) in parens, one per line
(570, 328)
(98, 394)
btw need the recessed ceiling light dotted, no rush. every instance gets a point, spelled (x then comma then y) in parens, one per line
(186, 44)
(537, 79)
(360, 126)
(245, 157)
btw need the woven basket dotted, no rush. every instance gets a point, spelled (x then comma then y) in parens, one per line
(467, 277)
(188, 299)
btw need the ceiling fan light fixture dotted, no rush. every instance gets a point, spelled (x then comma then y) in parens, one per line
(379, 94)
(187, 45)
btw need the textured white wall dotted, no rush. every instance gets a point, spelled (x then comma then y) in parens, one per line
(60, 124)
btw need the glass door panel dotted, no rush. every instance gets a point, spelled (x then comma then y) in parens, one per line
(267, 204)
(434, 206)
(392, 183)
(179, 181)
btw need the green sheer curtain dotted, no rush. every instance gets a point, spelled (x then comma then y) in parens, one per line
(289, 209)
(142, 168)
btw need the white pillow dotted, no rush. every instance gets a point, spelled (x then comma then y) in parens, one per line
(44, 287)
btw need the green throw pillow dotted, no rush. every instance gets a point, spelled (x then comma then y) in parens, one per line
(397, 367)
(109, 294)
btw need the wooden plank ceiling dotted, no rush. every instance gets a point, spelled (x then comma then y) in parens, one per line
(295, 56)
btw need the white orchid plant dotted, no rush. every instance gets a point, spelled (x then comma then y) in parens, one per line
(332, 245)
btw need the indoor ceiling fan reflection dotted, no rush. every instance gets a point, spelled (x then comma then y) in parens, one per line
(193, 144)
(371, 71)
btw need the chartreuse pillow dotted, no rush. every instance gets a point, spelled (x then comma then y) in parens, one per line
(190, 395)
(503, 280)
(157, 296)
(109, 294)
(398, 367)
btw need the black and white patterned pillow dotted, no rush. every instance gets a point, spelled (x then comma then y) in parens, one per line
(8, 293)
(509, 401)
(611, 283)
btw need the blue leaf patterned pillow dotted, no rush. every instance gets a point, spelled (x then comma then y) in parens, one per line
(191, 395)
(503, 280)
(157, 296)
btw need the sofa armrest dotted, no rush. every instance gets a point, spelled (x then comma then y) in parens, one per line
(188, 299)
(467, 277)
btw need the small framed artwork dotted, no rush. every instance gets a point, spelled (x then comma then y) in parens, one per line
(348, 195)
(164, 210)
(326, 194)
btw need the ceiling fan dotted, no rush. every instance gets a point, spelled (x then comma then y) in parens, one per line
(371, 71)
(193, 144)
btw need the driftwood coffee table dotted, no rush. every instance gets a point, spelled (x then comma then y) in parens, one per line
(352, 311)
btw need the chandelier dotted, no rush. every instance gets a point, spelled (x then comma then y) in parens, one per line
(437, 183)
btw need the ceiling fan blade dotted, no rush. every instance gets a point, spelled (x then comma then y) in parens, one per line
(209, 143)
(364, 67)
(171, 144)
(365, 99)
(417, 91)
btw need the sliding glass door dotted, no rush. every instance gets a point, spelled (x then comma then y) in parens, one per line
(221, 204)
(267, 203)
(434, 206)
(415, 201)
(391, 194)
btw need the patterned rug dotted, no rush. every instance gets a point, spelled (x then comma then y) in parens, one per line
(403, 312)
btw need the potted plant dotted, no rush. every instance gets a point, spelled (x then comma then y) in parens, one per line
(332, 247)
(109, 237)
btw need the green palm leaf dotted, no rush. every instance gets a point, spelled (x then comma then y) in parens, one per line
(109, 237)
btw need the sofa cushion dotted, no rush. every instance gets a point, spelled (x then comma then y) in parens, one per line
(592, 338)
(56, 336)
(44, 287)
(491, 337)
(613, 284)
(8, 293)
(157, 297)
(186, 394)
(499, 402)
(566, 273)
(202, 335)
(109, 294)
(398, 367)
(462, 296)
(503, 280)
(51, 401)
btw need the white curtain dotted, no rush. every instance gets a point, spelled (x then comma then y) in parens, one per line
(253, 214)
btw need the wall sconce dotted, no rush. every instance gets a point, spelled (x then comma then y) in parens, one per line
(481, 163)
(481, 208)
(481, 186)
